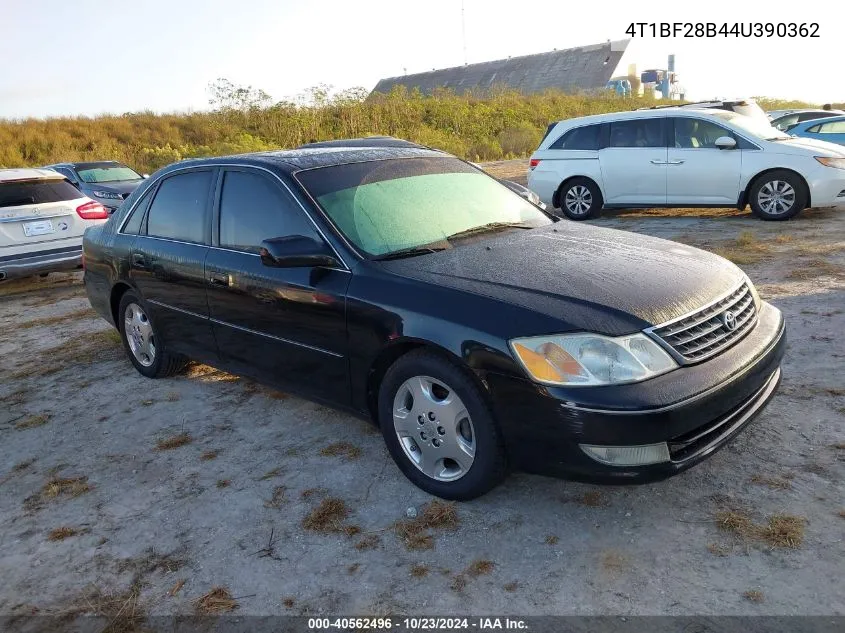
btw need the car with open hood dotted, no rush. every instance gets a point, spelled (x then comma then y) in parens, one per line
(479, 333)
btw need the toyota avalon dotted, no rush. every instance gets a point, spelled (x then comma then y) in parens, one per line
(478, 332)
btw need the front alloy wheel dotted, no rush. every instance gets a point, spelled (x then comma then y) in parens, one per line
(434, 428)
(778, 195)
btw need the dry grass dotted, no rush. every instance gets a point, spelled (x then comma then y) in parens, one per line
(817, 268)
(288, 602)
(745, 249)
(270, 474)
(341, 449)
(592, 499)
(419, 571)
(71, 487)
(173, 396)
(150, 562)
(61, 533)
(309, 493)
(122, 610)
(23, 465)
(754, 595)
(176, 588)
(370, 541)
(781, 530)
(551, 539)
(353, 568)
(718, 550)
(82, 349)
(19, 396)
(175, 441)
(278, 498)
(84, 313)
(459, 583)
(613, 561)
(480, 568)
(511, 586)
(775, 483)
(32, 421)
(434, 515)
(218, 600)
(209, 455)
(327, 517)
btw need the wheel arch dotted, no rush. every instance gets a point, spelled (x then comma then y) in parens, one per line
(556, 195)
(117, 292)
(745, 194)
(398, 348)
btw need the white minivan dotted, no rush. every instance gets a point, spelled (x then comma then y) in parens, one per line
(683, 157)
(42, 219)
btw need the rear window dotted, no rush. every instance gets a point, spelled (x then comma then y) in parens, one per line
(22, 192)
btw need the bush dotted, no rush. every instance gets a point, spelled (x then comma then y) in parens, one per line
(519, 140)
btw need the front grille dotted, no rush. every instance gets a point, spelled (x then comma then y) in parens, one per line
(705, 333)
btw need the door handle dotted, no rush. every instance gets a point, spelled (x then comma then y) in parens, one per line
(139, 260)
(659, 162)
(216, 278)
(675, 162)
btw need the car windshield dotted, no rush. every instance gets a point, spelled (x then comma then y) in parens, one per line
(385, 206)
(107, 173)
(752, 126)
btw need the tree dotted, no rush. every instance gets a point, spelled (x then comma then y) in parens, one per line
(228, 96)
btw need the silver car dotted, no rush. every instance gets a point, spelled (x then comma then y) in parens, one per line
(106, 181)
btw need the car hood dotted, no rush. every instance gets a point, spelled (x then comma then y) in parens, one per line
(123, 187)
(589, 278)
(809, 147)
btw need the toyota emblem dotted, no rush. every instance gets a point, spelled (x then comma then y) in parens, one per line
(729, 320)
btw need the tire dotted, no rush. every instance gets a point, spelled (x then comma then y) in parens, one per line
(152, 360)
(463, 427)
(580, 199)
(772, 192)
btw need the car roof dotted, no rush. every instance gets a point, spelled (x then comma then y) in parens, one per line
(11, 175)
(821, 120)
(642, 114)
(814, 110)
(88, 164)
(294, 160)
(369, 141)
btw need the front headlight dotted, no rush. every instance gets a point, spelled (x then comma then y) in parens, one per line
(591, 359)
(108, 195)
(836, 163)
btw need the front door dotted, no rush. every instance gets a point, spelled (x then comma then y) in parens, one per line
(167, 262)
(285, 325)
(633, 165)
(698, 172)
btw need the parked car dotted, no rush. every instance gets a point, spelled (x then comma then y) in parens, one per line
(681, 157)
(42, 219)
(787, 121)
(747, 107)
(106, 181)
(831, 129)
(478, 332)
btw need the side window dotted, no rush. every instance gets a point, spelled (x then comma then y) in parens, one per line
(637, 133)
(786, 122)
(253, 209)
(834, 127)
(697, 133)
(586, 137)
(178, 211)
(133, 225)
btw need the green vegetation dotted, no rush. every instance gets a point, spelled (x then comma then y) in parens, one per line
(500, 124)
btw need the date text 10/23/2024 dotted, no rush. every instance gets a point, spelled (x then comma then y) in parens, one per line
(734, 29)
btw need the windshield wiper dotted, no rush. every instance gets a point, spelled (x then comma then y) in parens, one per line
(413, 251)
(489, 228)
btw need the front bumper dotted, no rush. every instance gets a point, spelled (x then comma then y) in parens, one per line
(41, 262)
(695, 409)
(828, 190)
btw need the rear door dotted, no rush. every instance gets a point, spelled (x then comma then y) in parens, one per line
(167, 261)
(286, 325)
(698, 172)
(633, 164)
(40, 215)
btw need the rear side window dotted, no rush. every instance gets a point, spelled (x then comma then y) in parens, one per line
(834, 127)
(178, 211)
(133, 224)
(18, 193)
(586, 137)
(254, 209)
(637, 133)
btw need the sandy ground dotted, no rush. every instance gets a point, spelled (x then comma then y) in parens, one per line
(117, 489)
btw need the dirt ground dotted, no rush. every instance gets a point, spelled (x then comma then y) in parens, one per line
(116, 489)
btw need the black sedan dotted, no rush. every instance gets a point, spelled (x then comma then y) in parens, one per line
(479, 333)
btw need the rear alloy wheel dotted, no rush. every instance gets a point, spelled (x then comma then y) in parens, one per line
(580, 199)
(145, 348)
(779, 195)
(438, 427)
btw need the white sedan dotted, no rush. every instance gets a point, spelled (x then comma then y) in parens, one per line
(681, 157)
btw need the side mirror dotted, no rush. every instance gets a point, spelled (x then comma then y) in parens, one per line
(725, 142)
(297, 251)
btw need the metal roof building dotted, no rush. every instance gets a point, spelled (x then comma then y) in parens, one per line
(571, 69)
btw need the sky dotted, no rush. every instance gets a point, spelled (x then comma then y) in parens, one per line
(89, 57)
